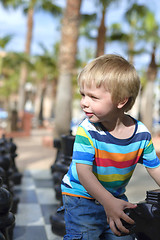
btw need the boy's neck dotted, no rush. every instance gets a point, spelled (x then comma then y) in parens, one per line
(122, 127)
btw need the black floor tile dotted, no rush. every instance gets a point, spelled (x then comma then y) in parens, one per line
(47, 210)
(43, 183)
(27, 196)
(37, 203)
(30, 233)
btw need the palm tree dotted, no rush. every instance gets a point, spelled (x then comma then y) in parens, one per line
(151, 35)
(10, 72)
(24, 70)
(135, 16)
(102, 29)
(33, 4)
(141, 27)
(144, 29)
(29, 8)
(46, 74)
(67, 57)
(3, 43)
(101, 38)
(9, 87)
(148, 94)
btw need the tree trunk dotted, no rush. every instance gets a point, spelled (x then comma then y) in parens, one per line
(67, 57)
(41, 112)
(131, 46)
(148, 93)
(24, 70)
(101, 38)
(23, 78)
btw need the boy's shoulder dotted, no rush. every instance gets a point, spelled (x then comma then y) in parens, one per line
(141, 127)
(88, 126)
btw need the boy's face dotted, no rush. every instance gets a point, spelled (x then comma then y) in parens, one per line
(97, 103)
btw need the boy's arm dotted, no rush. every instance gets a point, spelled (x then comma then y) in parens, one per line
(155, 174)
(113, 207)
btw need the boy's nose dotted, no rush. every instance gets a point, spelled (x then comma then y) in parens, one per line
(84, 102)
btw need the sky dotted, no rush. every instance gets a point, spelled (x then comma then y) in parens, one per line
(47, 28)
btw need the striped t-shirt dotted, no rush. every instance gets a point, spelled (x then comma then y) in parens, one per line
(113, 160)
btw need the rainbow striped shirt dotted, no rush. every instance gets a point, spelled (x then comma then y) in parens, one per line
(113, 160)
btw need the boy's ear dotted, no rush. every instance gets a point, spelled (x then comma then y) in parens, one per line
(122, 103)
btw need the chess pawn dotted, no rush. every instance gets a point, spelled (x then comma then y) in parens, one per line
(16, 176)
(5, 163)
(4, 156)
(3, 176)
(7, 219)
(11, 149)
(58, 223)
(146, 217)
(62, 162)
(2, 236)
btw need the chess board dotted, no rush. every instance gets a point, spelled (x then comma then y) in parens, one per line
(36, 203)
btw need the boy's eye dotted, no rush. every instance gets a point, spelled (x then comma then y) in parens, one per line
(81, 93)
(94, 97)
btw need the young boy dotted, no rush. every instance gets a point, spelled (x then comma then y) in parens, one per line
(108, 145)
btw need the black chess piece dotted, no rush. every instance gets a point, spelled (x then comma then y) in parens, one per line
(11, 147)
(146, 217)
(7, 218)
(60, 168)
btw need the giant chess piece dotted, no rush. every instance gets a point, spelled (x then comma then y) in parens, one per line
(57, 145)
(11, 148)
(58, 223)
(62, 162)
(2, 236)
(7, 219)
(61, 167)
(5, 164)
(146, 217)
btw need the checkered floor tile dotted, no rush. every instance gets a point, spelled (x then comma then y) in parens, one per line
(36, 203)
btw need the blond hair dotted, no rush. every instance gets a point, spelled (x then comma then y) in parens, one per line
(116, 74)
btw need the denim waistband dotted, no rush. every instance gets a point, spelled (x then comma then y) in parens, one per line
(123, 196)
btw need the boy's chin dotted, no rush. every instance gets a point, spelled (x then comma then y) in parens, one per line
(93, 120)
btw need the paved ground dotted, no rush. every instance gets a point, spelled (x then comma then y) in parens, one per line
(36, 194)
(32, 153)
(34, 161)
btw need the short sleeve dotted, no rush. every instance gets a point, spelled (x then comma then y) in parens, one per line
(149, 158)
(83, 150)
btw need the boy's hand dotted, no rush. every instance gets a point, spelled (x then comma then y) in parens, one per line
(113, 207)
(114, 211)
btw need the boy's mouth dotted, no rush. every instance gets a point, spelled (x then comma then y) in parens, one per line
(89, 114)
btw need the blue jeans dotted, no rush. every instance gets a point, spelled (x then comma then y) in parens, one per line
(85, 219)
